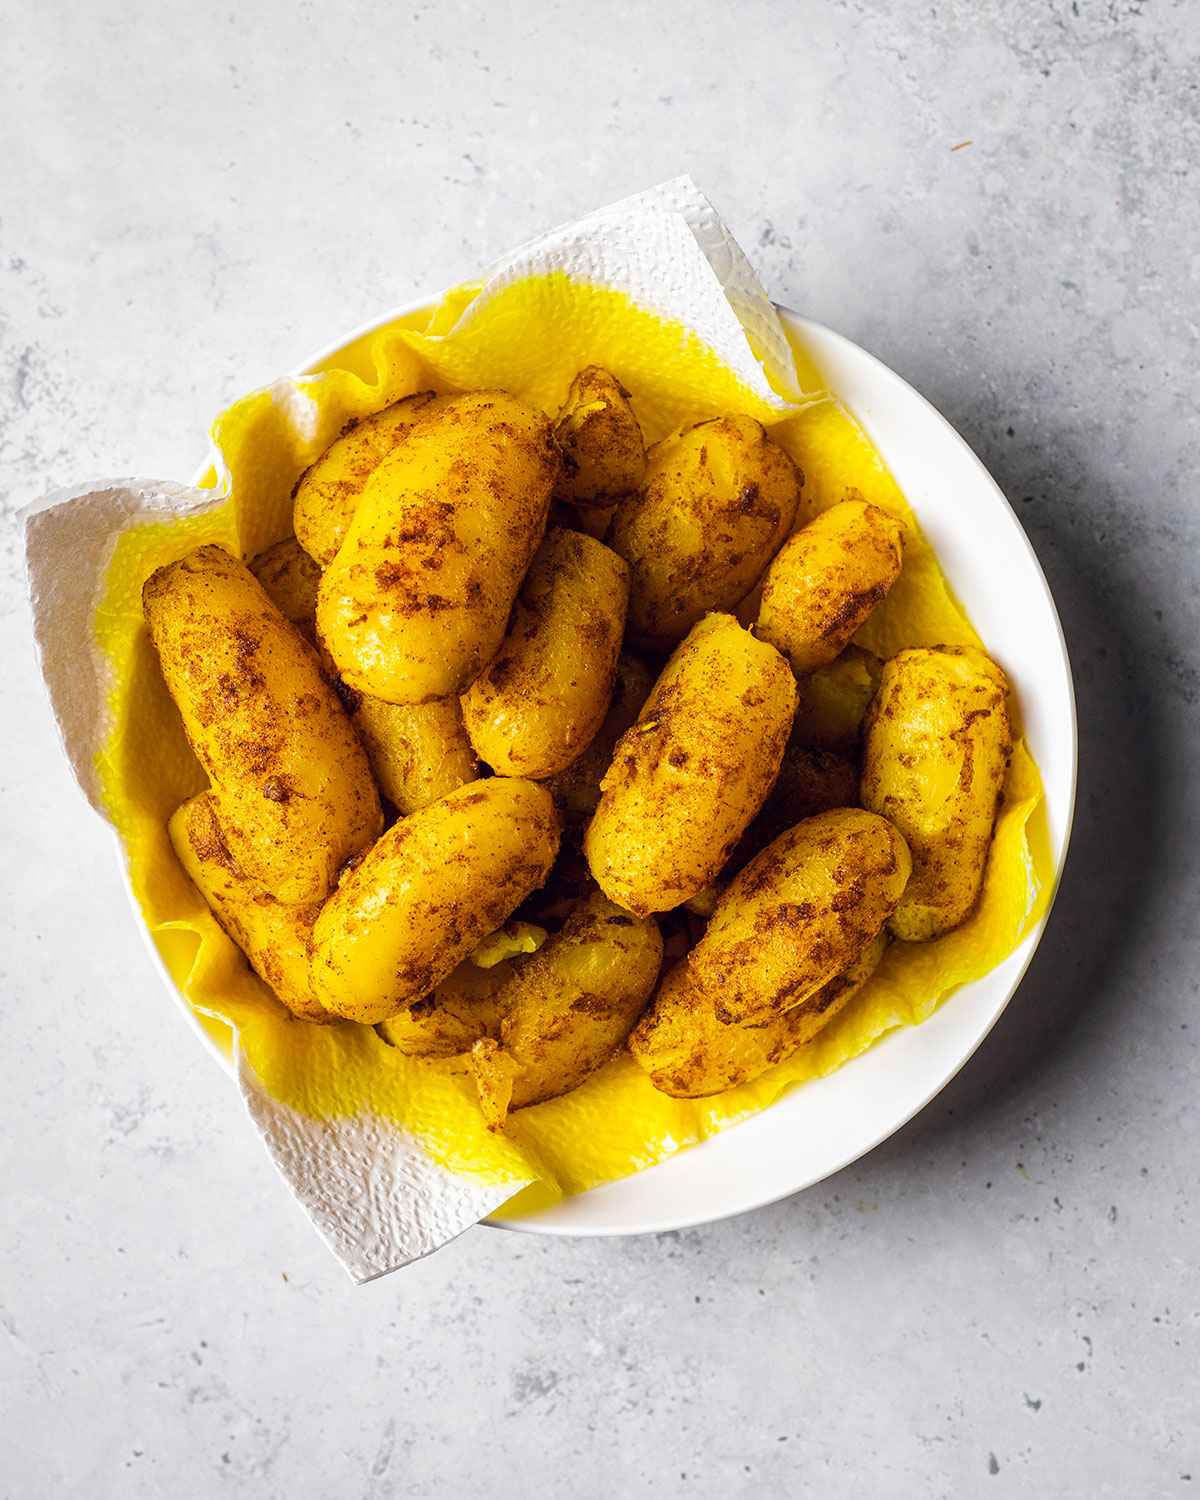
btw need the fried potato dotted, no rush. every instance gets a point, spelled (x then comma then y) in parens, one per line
(289, 578)
(568, 1009)
(834, 701)
(800, 913)
(327, 493)
(718, 500)
(539, 704)
(809, 782)
(695, 768)
(418, 751)
(576, 789)
(690, 1054)
(274, 937)
(428, 891)
(603, 452)
(938, 740)
(826, 580)
(461, 1010)
(416, 602)
(293, 789)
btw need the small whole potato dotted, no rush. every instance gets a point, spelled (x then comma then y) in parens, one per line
(461, 1010)
(937, 746)
(690, 1054)
(289, 578)
(568, 1009)
(274, 937)
(418, 751)
(695, 768)
(577, 788)
(293, 789)
(327, 493)
(800, 913)
(834, 701)
(603, 452)
(717, 501)
(826, 580)
(427, 892)
(809, 782)
(416, 602)
(538, 705)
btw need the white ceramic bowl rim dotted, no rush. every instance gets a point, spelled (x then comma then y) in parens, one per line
(814, 1131)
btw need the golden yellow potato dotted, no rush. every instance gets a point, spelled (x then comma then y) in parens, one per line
(834, 701)
(603, 453)
(289, 578)
(536, 708)
(461, 1010)
(826, 580)
(428, 891)
(274, 937)
(809, 782)
(577, 788)
(418, 751)
(937, 745)
(327, 493)
(718, 500)
(695, 768)
(293, 788)
(567, 1009)
(690, 1054)
(800, 913)
(415, 603)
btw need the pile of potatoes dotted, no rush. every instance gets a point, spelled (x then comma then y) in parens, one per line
(523, 709)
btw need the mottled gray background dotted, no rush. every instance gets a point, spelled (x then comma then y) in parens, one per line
(1001, 1301)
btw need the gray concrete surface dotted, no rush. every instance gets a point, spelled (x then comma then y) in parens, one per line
(1001, 1301)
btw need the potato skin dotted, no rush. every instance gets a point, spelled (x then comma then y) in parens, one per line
(717, 501)
(539, 704)
(695, 768)
(416, 602)
(418, 751)
(800, 913)
(809, 782)
(834, 701)
(327, 493)
(690, 1054)
(293, 789)
(568, 1009)
(576, 789)
(273, 937)
(826, 580)
(938, 740)
(428, 891)
(289, 578)
(603, 452)
(447, 1023)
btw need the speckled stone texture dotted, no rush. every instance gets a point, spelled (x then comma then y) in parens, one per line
(1000, 199)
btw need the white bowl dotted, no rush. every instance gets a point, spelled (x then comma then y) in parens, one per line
(822, 1126)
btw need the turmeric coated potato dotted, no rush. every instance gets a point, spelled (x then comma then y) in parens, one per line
(461, 1010)
(289, 578)
(327, 493)
(695, 768)
(690, 1054)
(800, 913)
(718, 500)
(569, 1008)
(937, 746)
(426, 893)
(415, 603)
(809, 782)
(827, 579)
(538, 705)
(274, 937)
(603, 453)
(293, 789)
(577, 788)
(418, 751)
(834, 701)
